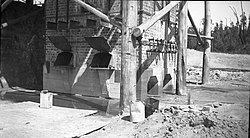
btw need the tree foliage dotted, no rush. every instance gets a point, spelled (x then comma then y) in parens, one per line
(233, 39)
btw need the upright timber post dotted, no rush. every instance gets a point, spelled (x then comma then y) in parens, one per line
(166, 38)
(207, 47)
(128, 55)
(140, 93)
(181, 88)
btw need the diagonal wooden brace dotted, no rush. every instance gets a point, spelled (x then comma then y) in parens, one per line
(199, 37)
(99, 14)
(146, 25)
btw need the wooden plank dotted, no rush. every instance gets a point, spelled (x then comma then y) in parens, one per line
(202, 36)
(139, 85)
(181, 88)
(128, 55)
(207, 48)
(146, 25)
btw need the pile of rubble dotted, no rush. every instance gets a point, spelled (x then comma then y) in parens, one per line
(195, 74)
(191, 122)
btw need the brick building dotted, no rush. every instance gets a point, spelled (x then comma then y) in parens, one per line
(83, 53)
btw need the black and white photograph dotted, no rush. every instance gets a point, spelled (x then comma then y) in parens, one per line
(124, 69)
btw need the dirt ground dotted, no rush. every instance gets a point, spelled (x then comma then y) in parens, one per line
(217, 109)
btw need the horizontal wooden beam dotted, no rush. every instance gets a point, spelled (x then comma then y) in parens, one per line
(145, 26)
(202, 36)
(98, 13)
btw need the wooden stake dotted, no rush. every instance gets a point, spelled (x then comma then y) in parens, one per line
(207, 48)
(182, 50)
(128, 55)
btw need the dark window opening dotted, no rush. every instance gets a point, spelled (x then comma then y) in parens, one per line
(101, 60)
(62, 25)
(51, 26)
(91, 23)
(63, 59)
(74, 24)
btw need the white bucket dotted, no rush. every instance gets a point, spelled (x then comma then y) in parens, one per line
(137, 111)
(46, 99)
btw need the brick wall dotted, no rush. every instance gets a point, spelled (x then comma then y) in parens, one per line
(75, 36)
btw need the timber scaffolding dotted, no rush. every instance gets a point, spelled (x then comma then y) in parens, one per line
(132, 36)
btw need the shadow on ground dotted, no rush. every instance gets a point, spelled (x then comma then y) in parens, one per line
(104, 106)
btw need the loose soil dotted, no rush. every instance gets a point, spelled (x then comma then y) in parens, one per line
(218, 109)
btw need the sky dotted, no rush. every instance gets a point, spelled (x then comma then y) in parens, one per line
(220, 10)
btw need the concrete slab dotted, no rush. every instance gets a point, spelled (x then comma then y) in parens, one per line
(26, 119)
(70, 115)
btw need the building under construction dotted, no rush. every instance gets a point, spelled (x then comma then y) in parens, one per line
(83, 52)
(101, 48)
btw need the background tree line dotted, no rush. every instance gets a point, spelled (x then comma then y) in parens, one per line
(233, 39)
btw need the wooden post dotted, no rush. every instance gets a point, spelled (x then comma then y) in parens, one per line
(128, 55)
(139, 82)
(207, 47)
(181, 88)
(166, 38)
(202, 36)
